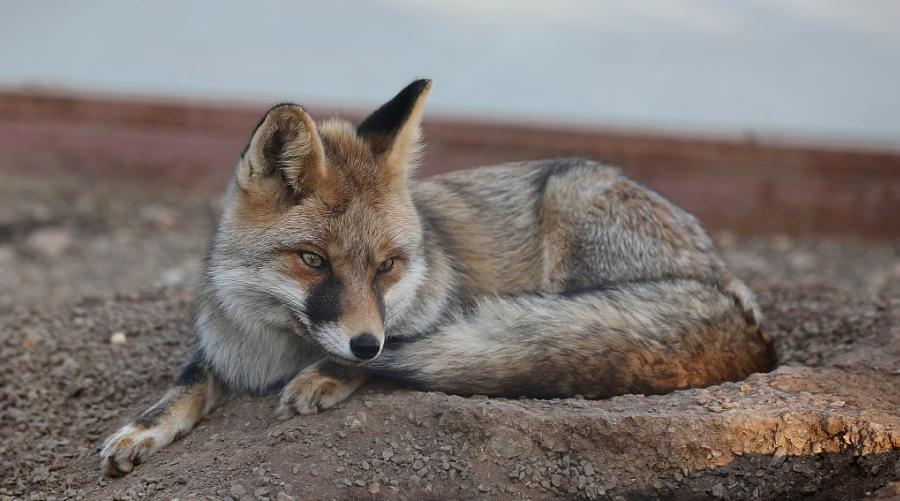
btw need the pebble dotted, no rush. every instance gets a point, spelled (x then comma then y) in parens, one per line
(718, 491)
(589, 469)
(51, 243)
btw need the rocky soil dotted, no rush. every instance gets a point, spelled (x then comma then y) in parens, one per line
(83, 261)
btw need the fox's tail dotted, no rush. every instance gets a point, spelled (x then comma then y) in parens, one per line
(649, 337)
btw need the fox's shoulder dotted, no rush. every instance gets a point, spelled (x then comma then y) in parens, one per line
(529, 170)
(518, 182)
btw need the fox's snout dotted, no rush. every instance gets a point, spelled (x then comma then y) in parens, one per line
(365, 346)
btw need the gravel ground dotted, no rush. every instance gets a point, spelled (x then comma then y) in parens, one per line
(82, 260)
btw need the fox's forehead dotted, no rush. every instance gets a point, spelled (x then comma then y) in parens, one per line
(347, 154)
(365, 225)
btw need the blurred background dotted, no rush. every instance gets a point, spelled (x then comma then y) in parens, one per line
(824, 69)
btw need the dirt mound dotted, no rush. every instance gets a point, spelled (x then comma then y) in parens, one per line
(824, 426)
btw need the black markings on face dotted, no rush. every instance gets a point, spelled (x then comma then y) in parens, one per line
(324, 302)
(378, 292)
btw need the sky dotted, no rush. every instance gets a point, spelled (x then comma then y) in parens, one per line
(826, 69)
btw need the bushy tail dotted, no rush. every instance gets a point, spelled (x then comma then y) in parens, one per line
(649, 337)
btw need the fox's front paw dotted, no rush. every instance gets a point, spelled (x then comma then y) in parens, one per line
(130, 446)
(319, 387)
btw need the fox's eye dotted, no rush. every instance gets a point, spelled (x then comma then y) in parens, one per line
(386, 266)
(312, 260)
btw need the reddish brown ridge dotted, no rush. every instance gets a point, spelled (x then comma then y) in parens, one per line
(744, 184)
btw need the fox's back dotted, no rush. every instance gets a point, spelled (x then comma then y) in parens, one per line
(556, 225)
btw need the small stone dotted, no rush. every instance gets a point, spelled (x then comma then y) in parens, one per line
(283, 496)
(589, 469)
(238, 490)
(718, 491)
(118, 338)
(262, 491)
(51, 243)
(374, 487)
(72, 389)
(508, 443)
(414, 479)
(779, 458)
(809, 488)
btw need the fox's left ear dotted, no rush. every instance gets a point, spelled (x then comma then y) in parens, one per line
(393, 132)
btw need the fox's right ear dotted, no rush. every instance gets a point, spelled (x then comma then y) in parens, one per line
(285, 152)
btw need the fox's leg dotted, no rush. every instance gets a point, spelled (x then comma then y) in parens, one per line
(320, 386)
(195, 394)
(649, 337)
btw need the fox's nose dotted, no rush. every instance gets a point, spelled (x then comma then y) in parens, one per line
(365, 346)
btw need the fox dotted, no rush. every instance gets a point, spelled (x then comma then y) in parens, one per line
(332, 264)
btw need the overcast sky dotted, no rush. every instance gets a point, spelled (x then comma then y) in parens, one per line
(819, 68)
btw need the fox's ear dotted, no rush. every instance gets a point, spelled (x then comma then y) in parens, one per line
(285, 152)
(392, 131)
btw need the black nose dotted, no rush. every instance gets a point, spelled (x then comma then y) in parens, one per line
(365, 346)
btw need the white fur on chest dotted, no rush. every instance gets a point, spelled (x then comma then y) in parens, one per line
(248, 336)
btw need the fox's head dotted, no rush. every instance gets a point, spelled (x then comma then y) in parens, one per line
(319, 233)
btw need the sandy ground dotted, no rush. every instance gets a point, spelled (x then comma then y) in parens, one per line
(81, 260)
